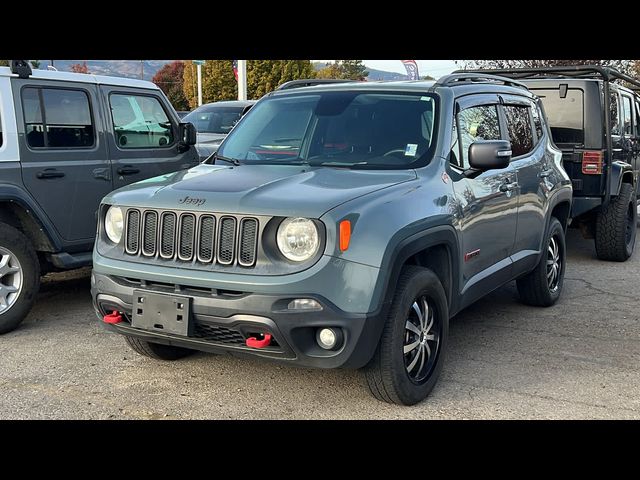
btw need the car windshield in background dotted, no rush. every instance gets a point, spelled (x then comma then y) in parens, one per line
(342, 129)
(214, 119)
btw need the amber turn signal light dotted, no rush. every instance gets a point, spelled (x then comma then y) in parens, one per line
(345, 234)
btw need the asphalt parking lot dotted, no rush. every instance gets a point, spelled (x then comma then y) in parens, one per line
(579, 359)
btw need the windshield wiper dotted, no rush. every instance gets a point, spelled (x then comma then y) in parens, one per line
(337, 164)
(232, 161)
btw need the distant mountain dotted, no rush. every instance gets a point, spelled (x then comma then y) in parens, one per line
(374, 74)
(116, 68)
(134, 68)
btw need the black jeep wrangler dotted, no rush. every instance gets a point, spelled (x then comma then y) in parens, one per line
(600, 152)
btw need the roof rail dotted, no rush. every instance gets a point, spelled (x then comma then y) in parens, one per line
(476, 76)
(309, 82)
(608, 74)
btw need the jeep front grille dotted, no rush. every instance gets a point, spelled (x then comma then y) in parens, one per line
(203, 238)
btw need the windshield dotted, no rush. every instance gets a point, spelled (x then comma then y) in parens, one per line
(350, 129)
(212, 119)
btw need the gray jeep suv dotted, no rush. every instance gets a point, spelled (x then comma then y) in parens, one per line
(342, 225)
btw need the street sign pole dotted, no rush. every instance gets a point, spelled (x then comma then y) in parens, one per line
(242, 79)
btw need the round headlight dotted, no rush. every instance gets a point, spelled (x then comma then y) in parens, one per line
(298, 239)
(114, 224)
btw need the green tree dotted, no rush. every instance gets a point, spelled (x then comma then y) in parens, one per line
(344, 69)
(263, 76)
(4, 63)
(330, 70)
(170, 79)
(35, 63)
(218, 82)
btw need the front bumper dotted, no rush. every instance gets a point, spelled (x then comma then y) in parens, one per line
(223, 320)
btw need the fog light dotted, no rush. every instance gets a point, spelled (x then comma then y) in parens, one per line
(329, 338)
(304, 304)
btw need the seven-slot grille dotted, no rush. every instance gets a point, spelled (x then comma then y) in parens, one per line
(205, 238)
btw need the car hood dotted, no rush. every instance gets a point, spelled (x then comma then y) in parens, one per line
(210, 137)
(257, 189)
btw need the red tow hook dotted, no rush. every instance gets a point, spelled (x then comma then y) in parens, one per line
(112, 318)
(254, 342)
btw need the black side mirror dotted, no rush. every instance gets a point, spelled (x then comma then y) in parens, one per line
(489, 154)
(188, 134)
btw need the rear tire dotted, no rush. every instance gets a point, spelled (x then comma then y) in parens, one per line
(19, 277)
(157, 351)
(410, 355)
(542, 287)
(616, 226)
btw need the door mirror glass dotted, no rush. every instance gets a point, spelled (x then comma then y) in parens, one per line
(188, 133)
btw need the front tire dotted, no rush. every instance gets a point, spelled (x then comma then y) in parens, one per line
(157, 351)
(616, 226)
(410, 355)
(542, 287)
(19, 277)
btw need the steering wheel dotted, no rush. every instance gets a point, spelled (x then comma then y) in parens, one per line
(394, 151)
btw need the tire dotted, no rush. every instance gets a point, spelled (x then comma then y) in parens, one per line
(19, 277)
(157, 351)
(542, 287)
(390, 375)
(616, 226)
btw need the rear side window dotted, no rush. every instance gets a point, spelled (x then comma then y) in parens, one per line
(564, 115)
(477, 123)
(626, 115)
(57, 118)
(637, 119)
(519, 128)
(615, 115)
(1, 140)
(140, 121)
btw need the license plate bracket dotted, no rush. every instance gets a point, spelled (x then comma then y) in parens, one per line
(159, 312)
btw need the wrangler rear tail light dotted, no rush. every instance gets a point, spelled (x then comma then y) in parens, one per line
(592, 162)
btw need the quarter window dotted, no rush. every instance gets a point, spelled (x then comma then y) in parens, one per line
(519, 127)
(477, 123)
(537, 122)
(66, 122)
(140, 122)
(626, 112)
(615, 118)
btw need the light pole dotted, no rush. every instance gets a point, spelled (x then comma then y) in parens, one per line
(199, 64)
(242, 79)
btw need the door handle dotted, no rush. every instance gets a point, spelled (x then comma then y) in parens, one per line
(546, 173)
(507, 187)
(50, 173)
(128, 170)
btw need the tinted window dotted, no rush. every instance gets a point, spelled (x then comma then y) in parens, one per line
(615, 115)
(519, 127)
(626, 114)
(477, 123)
(140, 122)
(214, 119)
(67, 114)
(537, 121)
(350, 129)
(564, 115)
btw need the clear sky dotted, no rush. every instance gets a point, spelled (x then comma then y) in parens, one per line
(435, 68)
